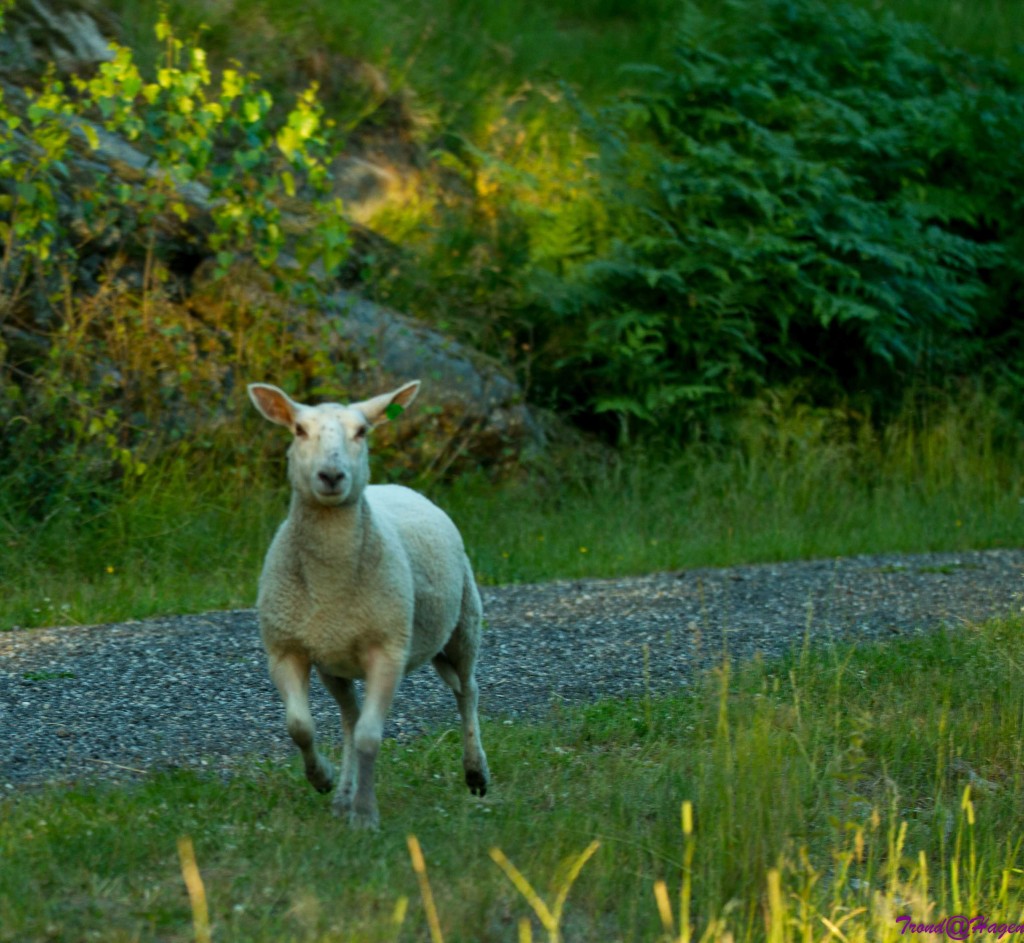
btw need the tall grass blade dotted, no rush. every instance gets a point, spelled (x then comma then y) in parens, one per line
(776, 908)
(546, 917)
(550, 918)
(570, 878)
(420, 867)
(664, 907)
(686, 887)
(195, 888)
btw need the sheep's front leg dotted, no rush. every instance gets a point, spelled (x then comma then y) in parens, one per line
(382, 676)
(290, 674)
(343, 691)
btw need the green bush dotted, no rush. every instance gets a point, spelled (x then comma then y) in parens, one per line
(808, 195)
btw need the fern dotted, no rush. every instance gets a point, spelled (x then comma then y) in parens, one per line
(808, 194)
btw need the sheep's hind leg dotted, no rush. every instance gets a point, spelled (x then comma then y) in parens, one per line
(343, 691)
(474, 759)
(457, 667)
(290, 674)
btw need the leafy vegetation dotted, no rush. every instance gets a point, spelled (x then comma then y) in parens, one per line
(99, 350)
(836, 789)
(992, 28)
(802, 196)
(813, 212)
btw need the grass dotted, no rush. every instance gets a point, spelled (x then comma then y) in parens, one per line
(175, 544)
(992, 28)
(798, 484)
(837, 789)
(455, 58)
(462, 60)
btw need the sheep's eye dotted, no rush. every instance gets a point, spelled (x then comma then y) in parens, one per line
(361, 432)
(300, 431)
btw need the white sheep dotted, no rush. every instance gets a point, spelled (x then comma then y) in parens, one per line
(362, 581)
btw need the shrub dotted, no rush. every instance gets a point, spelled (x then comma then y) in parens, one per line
(806, 195)
(101, 348)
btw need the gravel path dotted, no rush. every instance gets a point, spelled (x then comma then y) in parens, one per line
(116, 701)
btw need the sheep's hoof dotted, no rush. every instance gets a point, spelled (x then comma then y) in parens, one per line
(321, 776)
(342, 805)
(368, 821)
(477, 782)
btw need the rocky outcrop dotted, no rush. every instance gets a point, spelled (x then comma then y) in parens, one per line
(472, 412)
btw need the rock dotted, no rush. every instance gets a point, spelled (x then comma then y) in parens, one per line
(366, 186)
(470, 414)
(479, 414)
(66, 34)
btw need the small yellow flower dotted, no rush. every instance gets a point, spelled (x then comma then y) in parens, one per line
(584, 550)
(505, 554)
(110, 569)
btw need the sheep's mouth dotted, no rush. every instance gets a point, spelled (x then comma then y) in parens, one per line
(333, 496)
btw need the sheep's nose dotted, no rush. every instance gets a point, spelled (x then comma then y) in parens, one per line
(332, 479)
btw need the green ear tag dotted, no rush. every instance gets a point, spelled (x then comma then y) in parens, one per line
(394, 410)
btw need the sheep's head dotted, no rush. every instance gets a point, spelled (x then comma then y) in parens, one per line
(327, 460)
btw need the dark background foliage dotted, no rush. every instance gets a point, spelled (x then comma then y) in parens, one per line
(809, 197)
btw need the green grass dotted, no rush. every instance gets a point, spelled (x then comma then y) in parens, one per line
(177, 543)
(797, 484)
(456, 57)
(992, 28)
(842, 774)
(460, 59)
(688, 513)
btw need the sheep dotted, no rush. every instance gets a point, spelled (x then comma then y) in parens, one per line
(362, 581)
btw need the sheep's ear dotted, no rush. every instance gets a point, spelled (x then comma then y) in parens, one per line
(273, 404)
(388, 405)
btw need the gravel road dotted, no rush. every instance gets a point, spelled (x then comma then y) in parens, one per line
(118, 701)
